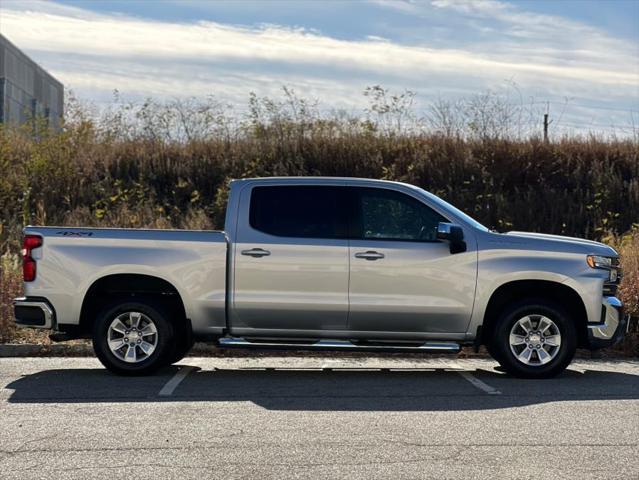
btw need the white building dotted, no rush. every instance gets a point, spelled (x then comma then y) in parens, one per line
(27, 91)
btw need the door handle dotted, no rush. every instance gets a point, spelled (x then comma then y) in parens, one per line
(369, 255)
(256, 252)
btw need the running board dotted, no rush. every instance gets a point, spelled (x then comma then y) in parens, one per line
(341, 345)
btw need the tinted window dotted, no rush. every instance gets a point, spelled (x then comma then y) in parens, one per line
(299, 211)
(387, 215)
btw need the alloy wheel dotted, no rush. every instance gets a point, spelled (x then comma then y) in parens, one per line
(535, 340)
(132, 337)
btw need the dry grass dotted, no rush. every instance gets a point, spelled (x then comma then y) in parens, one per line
(11, 287)
(628, 247)
(168, 165)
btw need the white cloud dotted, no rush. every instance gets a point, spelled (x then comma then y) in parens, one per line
(96, 53)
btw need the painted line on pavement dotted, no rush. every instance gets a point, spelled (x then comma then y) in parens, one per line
(474, 381)
(171, 385)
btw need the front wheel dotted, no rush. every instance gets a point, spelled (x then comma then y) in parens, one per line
(133, 338)
(182, 348)
(534, 339)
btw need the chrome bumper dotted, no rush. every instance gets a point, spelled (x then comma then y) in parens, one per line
(33, 313)
(612, 327)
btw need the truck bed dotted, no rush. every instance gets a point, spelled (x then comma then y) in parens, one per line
(72, 259)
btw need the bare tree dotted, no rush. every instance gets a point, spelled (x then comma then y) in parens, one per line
(446, 117)
(391, 113)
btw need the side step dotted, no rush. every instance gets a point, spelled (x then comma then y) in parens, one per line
(341, 345)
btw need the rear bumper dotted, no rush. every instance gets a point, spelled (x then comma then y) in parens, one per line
(34, 312)
(611, 328)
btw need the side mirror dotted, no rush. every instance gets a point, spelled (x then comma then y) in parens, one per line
(453, 234)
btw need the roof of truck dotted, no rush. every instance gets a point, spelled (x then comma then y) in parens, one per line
(297, 179)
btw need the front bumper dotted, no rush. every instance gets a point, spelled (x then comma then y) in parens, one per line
(612, 327)
(33, 312)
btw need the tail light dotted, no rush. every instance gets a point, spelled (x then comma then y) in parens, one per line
(28, 263)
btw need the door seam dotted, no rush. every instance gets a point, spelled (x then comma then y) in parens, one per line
(348, 293)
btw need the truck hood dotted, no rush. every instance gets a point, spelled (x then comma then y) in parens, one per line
(572, 244)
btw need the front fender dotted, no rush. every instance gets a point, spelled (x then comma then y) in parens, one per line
(499, 267)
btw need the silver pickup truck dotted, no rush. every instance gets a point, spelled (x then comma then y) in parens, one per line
(324, 263)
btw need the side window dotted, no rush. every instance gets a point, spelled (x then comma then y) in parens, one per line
(388, 215)
(299, 211)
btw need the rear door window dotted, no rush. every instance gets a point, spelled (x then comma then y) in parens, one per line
(299, 211)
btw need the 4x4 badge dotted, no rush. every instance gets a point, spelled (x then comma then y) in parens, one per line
(75, 234)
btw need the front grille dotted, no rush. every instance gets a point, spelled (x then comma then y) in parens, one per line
(610, 289)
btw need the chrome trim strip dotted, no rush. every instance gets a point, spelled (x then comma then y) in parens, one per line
(340, 345)
(46, 309)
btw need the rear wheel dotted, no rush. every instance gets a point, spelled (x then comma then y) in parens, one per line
(534, 339)
(133, 338)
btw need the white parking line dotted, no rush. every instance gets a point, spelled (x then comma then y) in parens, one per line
(476, 382)
(479, 384)
(171, 385)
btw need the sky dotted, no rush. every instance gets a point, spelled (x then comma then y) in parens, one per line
(576, 59)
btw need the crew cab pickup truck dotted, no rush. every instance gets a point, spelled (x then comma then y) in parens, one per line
(324, 263)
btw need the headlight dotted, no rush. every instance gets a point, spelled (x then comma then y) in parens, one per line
(596, 261)
(605, 263)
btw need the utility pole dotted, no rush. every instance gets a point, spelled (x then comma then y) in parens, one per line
(546, 127)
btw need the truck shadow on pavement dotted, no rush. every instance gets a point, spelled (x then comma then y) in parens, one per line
(328, 389)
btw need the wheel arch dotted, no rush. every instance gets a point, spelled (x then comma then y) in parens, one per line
(130, 285)
(516, 290)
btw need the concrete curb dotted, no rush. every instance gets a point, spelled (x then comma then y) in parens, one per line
(36, 350)
(76, 350)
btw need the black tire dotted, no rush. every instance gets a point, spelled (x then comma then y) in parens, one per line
(183, 347)
(500, 347)
(164, 347)
(492, 351)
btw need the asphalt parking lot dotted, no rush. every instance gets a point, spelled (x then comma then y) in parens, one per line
(290, 417)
